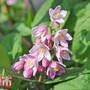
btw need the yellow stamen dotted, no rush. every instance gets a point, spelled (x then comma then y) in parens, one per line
(30, 63)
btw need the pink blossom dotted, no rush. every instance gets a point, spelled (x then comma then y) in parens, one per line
(45, 62)
(55, 69)
(18, 65)
(40, 50)
(57, 15)
(28, 73)
(40, 31)
(47, 40)
(61, 37)
(31, 64)
(63, 53)
(41, 68)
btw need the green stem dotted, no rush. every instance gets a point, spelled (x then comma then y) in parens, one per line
(3, 72)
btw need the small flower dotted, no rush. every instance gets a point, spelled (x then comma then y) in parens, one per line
(18, 65)
(47, 40)
(57, 15)
(28, 73)
(31, 64)
(40, 31)
(41, 51)
(45, 62)
(55, 69)
(61, 37)
(11, 2)
(63, 53)
(40, 68)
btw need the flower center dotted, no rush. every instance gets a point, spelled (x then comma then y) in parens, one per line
(30, 63)
(57, 68)
(63, 53)
(57, 14)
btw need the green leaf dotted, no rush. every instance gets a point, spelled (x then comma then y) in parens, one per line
(69, 75)
(3, 18)
(69, 4)
(4, 59)
(12, 43)
(77, 11)
(80, 83)
(17, 47)
(23, 29)
(29, 17)
(81, 40)
(42, 12)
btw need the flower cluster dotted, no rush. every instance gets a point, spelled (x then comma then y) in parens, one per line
(40, 58)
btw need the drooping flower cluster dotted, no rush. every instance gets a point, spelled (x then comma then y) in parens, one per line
(39, 59)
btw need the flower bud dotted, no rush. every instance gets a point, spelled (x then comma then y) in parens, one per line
(40, 68)
(28, 73)
(45, 62)
(18, 65)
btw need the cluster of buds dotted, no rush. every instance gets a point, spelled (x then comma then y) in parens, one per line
(40, 58)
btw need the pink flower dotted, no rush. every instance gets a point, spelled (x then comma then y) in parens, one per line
(40, 68)
(63, 53)
(57, 15)
(45, 62)
(40, 50)
(40, 31)
(28, 73)
(30, 64)
(55, 69)
(61, 37)
(18, 65)
(11, 2)
(48, 40)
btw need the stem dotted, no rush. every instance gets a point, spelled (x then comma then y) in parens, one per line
(40, 78)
